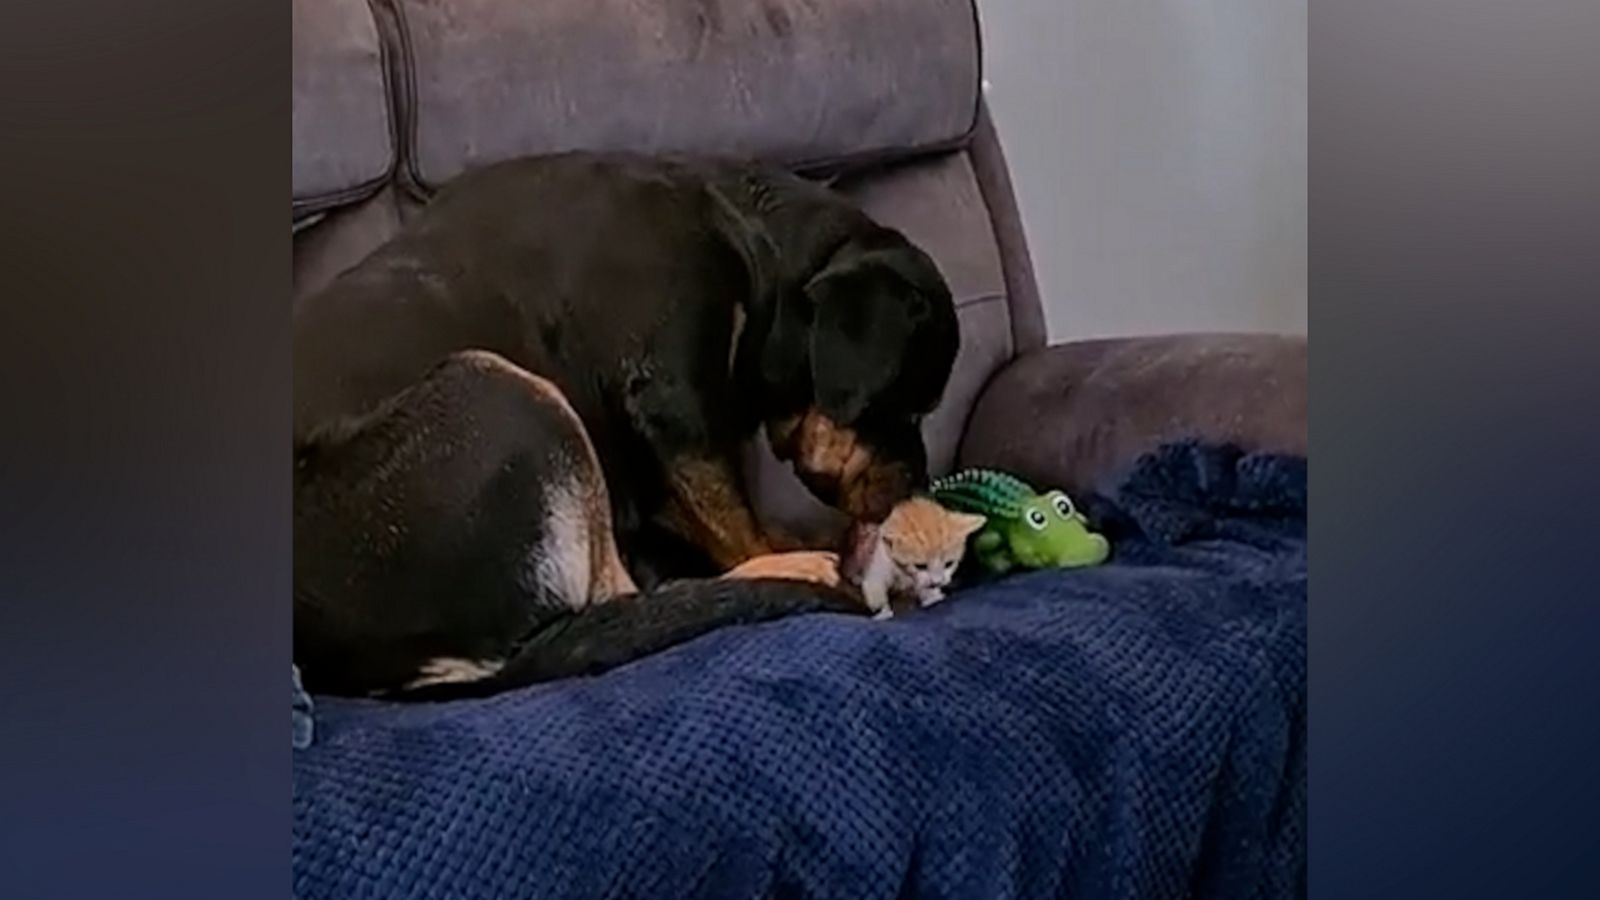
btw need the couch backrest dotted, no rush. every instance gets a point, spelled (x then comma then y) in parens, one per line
(394, 97)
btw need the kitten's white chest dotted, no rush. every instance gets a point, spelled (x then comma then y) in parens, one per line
(886, 577)
(877, 580)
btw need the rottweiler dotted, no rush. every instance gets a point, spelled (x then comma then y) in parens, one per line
(675, 307)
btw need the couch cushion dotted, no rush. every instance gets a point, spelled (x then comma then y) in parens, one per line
(1104, 403)
(342, 237)
(342, 140)
(810, 83)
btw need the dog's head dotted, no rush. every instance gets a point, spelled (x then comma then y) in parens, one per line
(871, 339)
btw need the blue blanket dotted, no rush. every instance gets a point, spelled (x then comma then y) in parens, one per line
(1134, 730)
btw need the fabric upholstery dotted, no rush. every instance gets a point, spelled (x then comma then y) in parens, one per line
(1131, 730)
(1022, 291)
(1076, 415)
(342, 136)
(935, 201)
(803, 82)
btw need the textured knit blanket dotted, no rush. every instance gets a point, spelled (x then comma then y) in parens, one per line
(1133, 730)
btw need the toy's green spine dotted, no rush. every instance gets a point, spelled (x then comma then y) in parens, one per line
(983, 491)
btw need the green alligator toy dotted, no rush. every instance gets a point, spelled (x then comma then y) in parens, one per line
(1026, 529)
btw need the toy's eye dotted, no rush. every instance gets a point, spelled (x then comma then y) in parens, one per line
(1063, 506)
(1036, 519)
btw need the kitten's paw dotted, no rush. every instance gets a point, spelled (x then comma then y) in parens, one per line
(816, 566)
(883, 615)
(930, 596)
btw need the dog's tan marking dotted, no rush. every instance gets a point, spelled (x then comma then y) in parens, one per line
(826, 447)
(589, 502)
(454, 670)
(781, 435)
(821, 449)
(708, 509)
(562, 562)
(820, 567)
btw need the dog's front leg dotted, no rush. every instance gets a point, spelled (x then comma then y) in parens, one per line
(684, 423)
(706, 503)
(708, 508)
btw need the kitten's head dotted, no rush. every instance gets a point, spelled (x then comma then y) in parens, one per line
(925, 541)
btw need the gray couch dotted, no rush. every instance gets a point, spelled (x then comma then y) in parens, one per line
(394, 97)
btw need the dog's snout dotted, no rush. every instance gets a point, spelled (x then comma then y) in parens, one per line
(825, 485)
(871, 496)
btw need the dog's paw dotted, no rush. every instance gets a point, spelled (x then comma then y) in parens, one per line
(817, 566)
(781, 541)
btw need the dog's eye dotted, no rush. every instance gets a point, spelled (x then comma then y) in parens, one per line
(1063, 506)
(1036, 519)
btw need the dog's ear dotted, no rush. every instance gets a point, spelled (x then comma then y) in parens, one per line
(864, 316)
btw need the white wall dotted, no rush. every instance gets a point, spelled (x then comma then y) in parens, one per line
(1159, 153)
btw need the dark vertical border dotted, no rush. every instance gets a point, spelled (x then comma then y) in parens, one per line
(1455, 304)
(144, 502)
(144, 483)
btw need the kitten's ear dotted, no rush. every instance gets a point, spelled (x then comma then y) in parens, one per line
(968, 523)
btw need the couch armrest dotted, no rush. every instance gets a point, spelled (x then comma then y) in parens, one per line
(1076, 415)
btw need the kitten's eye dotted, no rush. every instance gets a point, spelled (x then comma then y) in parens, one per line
(1063, 506)
(920, 567)
(949, 564)
(1036, 519)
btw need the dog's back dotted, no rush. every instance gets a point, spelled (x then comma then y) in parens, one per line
(566, 265)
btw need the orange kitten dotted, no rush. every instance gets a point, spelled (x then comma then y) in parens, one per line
(919, 547)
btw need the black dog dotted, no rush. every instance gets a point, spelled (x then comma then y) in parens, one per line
(678, 306)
